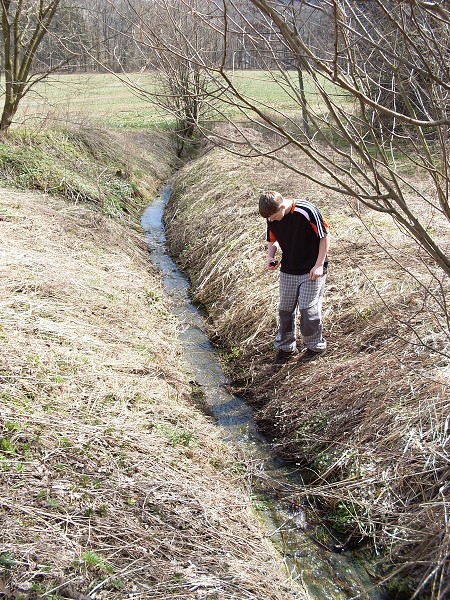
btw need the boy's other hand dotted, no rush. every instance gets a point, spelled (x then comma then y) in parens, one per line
(316, 272)
(272, 264)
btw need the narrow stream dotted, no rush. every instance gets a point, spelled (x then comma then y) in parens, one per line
(310, 565)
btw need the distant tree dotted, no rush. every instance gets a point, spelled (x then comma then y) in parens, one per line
(63, 45)
(180, 48)
(109, 44)
(177, 50)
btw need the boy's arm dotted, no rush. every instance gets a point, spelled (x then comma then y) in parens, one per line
(272, 247)
(317, 270)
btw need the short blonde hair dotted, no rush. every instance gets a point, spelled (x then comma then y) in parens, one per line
(269, 203)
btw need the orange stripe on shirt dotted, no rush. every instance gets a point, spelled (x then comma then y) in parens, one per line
(314, 226)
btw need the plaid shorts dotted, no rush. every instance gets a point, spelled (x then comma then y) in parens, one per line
(300, 295)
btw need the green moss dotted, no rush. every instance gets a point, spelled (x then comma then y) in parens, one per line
(311, 426)
(344, 517)
(7, 560)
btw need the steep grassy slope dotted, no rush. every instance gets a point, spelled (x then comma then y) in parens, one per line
(113, 484)
(368, 422)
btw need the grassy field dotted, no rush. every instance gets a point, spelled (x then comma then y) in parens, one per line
(104, 98)
(101, 97)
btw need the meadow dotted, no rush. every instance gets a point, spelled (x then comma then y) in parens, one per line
(99, 97)
(124, 102)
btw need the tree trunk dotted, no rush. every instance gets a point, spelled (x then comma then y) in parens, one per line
(9, 111)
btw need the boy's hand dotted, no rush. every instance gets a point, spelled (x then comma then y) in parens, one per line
(316, 272)
(272, 264)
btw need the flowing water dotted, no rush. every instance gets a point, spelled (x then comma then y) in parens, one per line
(310, 565)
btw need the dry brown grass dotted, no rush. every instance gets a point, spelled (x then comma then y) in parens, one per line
(112, 484)
(368, 422)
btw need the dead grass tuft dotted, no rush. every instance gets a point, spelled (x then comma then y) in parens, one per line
(368, 422)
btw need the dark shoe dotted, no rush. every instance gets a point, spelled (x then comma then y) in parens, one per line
(308, 355)
(283, 357)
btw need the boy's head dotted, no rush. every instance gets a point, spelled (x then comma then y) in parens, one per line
(270, 203)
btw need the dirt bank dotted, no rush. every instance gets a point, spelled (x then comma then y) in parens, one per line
(113, 484)
(367, 423)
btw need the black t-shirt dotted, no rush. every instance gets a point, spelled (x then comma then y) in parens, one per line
(299, 233)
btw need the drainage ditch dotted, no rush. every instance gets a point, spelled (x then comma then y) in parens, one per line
(310, 565)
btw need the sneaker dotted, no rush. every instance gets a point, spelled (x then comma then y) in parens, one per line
(283, 356)
(309, 354)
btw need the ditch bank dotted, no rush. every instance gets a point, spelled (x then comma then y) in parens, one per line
(113, 484)
(366, 423)
(312, 569)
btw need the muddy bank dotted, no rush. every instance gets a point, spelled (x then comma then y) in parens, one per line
(113, 484)
(367, 422)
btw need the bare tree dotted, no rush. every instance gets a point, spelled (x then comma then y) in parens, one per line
(109, 43)
(363, 159)
(178, 48)
(24, 25)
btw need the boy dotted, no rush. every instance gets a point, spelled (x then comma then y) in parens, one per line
(298, 228)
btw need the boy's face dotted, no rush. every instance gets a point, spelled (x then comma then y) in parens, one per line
(277, 216)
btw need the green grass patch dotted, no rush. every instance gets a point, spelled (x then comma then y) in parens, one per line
(103, 98)
(81, 165)
(79, 98)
